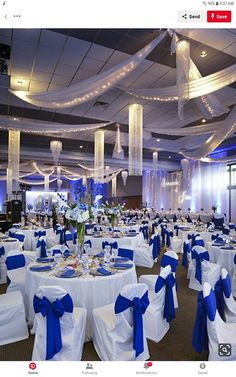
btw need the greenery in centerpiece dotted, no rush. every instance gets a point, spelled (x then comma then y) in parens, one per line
(113, 210)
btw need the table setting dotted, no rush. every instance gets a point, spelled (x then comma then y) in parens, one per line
(222, 251)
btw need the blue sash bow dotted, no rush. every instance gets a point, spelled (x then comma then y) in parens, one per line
(192, 238)
(2, 251)
(169, 282)
(231, 226)
(15, 261)
(186, 250)
(114, 245)
(40, 233)
(226, 231)
(199, 258)
(176, 227)
(53, 311)
(88, 242)
(42, 245)
(214, 236)
(144, 230)
(167, 260)
(200, 337)
(154, 226)
(67, 237)
(56, 251)
(139, 306)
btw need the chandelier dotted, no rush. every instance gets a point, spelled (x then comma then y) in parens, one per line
(56, 148)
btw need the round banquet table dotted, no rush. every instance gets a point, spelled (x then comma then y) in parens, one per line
(87, 291)
(223, 257)
(132, 241)
(205, 235)
(29, 243)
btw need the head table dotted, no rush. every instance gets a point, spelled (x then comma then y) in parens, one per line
(87, 291)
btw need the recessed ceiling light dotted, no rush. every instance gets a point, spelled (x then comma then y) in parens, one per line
(203, 120)
(203, 54)
(169, 157)
(158, 140)
(107, 167)
(81, 146)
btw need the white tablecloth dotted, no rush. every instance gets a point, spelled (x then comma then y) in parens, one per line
(87, 292)
(225, 258)
(133, 241)
(183, 234)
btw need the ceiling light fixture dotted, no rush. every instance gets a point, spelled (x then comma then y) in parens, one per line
(203, 54)
(203, 120)
(169, 157)
(81, 146)
(158, 140)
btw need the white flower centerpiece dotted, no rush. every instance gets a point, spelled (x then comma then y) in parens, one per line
(113, 211)
(77, 215)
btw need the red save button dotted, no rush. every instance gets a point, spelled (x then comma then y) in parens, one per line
(219, 16)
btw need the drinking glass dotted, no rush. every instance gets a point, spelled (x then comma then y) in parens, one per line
(85, 260)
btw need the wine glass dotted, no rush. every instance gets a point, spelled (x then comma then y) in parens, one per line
(86, 248)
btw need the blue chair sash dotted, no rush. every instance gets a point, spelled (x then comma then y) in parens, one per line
(155, 243)
(114, 245)
(167, 260)
(67, 237)
(174, 218)
(169, 235)
(53, 312)
(2, 251)
(74, 238)
(200, 337)
(154, 226)
(139, 306)
(220, 302)
(192, 237)
(62, 235)
(189, 220)
(199, 258)
(126, 253)
(56, 251)
(15, 261)
(198, 242)
(231, 226)
(169, 308)
(176, 227)
(215, 236)
(210, 302)
(226, 231)
(19, 237)
(218, 222)
(42, 245)
(66, 254)
(226, 285)
(186, 250)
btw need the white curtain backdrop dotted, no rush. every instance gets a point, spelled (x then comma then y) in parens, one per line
(205, 186)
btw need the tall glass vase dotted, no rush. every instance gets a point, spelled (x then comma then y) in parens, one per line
(80, 239)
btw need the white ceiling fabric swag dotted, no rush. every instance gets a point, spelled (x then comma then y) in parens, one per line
(46, 128)
(228, 126)
(91, 88)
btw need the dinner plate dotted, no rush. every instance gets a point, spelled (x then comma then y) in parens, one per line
(95, 272)
(75, 275)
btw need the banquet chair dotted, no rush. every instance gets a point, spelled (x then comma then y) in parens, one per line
(218, 331)
(146, 255)
(13, 326)
(218, 220)
(203, 270)
(173, 242)
(3, 271)
(18, 235)
(161, 309)
(232, 229)
(68, 240)
(227, 306)
(170, 258)
(16, 270)
(119, 334)
(198, 241)
(57, 249)
(59, 327)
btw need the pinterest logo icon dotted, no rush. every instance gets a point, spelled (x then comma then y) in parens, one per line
(32, 366)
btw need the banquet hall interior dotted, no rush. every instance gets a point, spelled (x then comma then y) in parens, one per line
(117, 194)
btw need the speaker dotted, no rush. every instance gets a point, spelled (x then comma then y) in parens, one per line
(14, 208)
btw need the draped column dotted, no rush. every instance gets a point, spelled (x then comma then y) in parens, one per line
(14, 157)
(182, 72)
(135, 139)
(114, 187)
(99, 155)
(46, 182)
(154, 179)
(9, 184)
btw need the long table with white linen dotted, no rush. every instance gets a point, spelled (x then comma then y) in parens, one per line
(223, 257)
(87, 291)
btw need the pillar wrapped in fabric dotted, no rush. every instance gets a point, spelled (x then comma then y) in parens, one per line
(114, 187)
(14, 156)
(9, 183)
(99, 156)
(135, 139)
(182, 68)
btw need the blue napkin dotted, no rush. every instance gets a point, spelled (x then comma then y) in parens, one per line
(218, 244)
(227, 247)
(67, 274)
(131, 234)
(45, 260)
(123, 265)
(40, 268)
(103, 271)
(121, 259)
(100, 255)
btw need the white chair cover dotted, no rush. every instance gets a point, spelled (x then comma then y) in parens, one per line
(156, 326)
(72, 327)
(230, 303)
(113, 333)
(13, 327)
(210, 271)
(17, 274)
(218, 331)
(143, 256)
